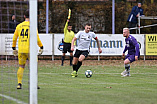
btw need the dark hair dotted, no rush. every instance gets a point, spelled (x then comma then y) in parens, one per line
(88, 24)
(12, 15)
(69, 24)
(27, 13)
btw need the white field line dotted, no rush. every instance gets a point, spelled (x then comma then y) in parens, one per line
(13, 99)
(85, 83)
(97, 73)
(88, 83)
(83, 73)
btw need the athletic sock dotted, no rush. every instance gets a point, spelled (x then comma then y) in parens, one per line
(63, 57)
(78, 65)
(20, 74)
(71, 59)
(127, 67)
(74, 67)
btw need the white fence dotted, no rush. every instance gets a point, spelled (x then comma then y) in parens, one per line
(111, 45)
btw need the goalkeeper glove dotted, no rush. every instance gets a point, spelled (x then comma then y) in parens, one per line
(15, 52)
(40, 50)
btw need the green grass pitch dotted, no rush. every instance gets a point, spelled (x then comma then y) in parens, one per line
(106, 86)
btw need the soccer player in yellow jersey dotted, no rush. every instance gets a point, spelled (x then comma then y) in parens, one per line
(22, 32)
(68, 36)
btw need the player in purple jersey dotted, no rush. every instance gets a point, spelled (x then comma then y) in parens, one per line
(133, 51)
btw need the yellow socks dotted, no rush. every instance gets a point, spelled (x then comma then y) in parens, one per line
(20, 74)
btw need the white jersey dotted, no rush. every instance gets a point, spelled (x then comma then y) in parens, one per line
(84, 39)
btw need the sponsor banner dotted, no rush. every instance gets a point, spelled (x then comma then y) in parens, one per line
(6, 44)
(110, 44)
(140, 39)
(114, 44)
(151, 44)
(46, 40)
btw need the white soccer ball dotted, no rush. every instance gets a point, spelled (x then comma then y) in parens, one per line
(88, 73)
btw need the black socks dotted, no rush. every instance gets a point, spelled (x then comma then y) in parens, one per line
(71, 59)
(78, 65)
(63, 57)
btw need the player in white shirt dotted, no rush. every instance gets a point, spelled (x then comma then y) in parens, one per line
(82, 50)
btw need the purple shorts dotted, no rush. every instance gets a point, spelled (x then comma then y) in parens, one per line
(131, 58)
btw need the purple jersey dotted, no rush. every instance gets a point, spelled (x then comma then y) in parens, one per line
(132, 46)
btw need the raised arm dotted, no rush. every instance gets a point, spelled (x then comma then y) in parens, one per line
(66, 27)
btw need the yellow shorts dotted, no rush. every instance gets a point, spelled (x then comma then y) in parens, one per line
(22, 57)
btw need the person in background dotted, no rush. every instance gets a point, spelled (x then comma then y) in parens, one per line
(133, 17)
(12, 24)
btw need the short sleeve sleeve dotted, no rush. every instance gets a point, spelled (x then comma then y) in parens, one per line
(93, 35)
(78, 34)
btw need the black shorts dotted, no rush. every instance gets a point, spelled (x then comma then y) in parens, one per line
(79, 52)
(67, 47)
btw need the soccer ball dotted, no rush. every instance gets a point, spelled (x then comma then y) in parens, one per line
(88, 73)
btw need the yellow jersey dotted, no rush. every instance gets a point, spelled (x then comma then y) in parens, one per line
(22, 32)
(68, 36)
